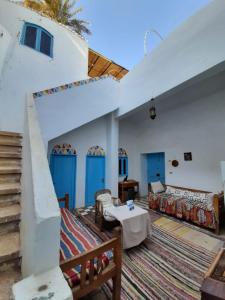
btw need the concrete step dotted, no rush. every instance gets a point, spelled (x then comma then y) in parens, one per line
(9, 213)
(6, 200)
(10, 170)
(9, 178)
(11, 149)
(7, 279)
(8, 141)
(10, 188)
(10, 161)
(9, 248)
(10, 154)
(11, 134)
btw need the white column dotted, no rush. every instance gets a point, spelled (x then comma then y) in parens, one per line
(112, 154)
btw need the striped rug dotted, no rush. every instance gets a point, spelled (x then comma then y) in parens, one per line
(173, 265)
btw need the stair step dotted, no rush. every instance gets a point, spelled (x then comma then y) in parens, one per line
(10, 162)
(9, 178)
(10, 213)
(7, 279)
(10, 169)
(12, 134)
(8, 154)
(9, 247)
(10, 142)
(9, 188)
(11, 149)
(6, 200)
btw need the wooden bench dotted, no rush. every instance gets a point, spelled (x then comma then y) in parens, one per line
(95, 275)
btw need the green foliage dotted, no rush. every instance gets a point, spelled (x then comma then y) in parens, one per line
(62, 11)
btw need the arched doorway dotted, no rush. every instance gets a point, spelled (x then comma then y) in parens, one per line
(63, 162)
(95, 173)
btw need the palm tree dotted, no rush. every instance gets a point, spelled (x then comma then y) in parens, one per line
(62, 11)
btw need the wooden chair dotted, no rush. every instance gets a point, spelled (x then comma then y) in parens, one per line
(113, 270)
(99, 212)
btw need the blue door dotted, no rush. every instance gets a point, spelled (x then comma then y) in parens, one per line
(95, 177)
(156, 167)
(63, 170)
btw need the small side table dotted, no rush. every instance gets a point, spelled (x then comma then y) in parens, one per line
(213, 286)
(124, 186)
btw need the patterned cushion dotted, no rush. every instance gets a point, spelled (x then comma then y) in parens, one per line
(76, 238)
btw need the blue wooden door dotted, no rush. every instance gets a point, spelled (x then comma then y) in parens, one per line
(95, 177)
(63, 170)
(156, 167)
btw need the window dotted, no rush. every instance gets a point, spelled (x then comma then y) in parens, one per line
(123, 166)
(37, 38)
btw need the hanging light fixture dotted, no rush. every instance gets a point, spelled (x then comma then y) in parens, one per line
(152, 110)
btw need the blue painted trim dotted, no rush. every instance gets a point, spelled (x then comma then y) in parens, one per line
(72, 199)
(38, 38)
(122, 158)
(86, 174)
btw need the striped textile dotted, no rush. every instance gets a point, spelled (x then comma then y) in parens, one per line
(170, 268)
(76, 239)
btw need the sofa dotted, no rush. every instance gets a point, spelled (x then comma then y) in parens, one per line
(199, 207)
(85, 260)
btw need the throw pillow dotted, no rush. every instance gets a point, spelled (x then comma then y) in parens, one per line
(157, 187)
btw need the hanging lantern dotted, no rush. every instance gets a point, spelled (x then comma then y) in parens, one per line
(152, 110)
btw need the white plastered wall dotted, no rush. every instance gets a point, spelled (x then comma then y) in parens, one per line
(24, 70)
(97, 132)
(189, 121)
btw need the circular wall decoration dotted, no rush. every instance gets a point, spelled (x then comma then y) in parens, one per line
(64, 149)
(175, 163)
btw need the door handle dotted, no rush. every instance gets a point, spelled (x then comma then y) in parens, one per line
(103, 180)
(158, 175)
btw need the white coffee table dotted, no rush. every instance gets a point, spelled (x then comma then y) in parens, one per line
(136, 224)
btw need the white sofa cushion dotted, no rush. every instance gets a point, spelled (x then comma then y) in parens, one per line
(106, 201)
(157, 187)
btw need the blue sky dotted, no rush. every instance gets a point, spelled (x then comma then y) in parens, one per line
(118, 26)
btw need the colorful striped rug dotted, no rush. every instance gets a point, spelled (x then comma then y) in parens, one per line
(173, 265)
(172, 268)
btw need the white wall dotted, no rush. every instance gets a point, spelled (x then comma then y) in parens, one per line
(40, 225)
(190, 50)
(189, 121)
(69, 109)
(25, 70)
(91, 134)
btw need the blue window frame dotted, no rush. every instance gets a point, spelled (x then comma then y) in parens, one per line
(37, 38)
(123, 166)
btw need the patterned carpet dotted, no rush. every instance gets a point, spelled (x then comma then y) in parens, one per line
(172, 267)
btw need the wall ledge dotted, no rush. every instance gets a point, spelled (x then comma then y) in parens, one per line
(56, 287)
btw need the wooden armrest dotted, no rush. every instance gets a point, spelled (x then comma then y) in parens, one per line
(91, 254)
(65, 199)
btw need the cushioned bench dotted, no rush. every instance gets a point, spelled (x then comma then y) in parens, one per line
(77, 239)
(200, 207)
(85, 261)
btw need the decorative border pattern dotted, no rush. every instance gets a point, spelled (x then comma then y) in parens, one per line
(122, 152)
(64, 149)
(70, 85)
(96, 151)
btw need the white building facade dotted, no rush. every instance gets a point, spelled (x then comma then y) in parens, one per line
(185, 75)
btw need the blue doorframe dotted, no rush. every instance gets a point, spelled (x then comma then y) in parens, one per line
(95, 177)
(63, 170)
(156, 167)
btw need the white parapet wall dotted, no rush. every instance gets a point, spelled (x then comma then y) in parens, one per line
(40, 226)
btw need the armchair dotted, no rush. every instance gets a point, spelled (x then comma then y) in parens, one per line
(104, 199)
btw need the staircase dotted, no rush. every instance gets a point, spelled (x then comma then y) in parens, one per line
(10, 193)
